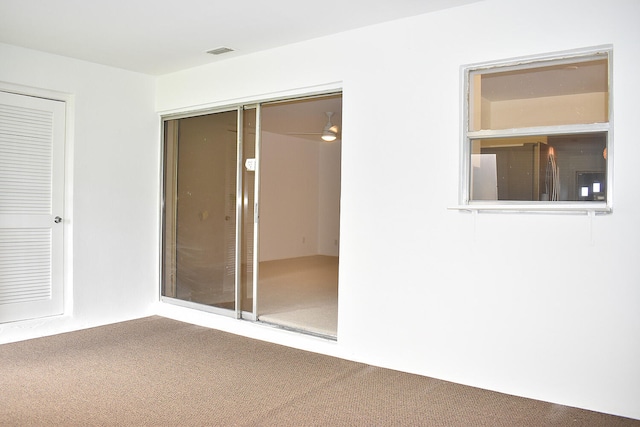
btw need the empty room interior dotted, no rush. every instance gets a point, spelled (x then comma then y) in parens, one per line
(439, 188)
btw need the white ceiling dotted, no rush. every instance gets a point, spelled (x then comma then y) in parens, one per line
(162, 36)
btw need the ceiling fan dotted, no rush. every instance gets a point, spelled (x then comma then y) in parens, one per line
(329, 132)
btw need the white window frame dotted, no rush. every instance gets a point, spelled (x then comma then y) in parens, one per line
(590, 207)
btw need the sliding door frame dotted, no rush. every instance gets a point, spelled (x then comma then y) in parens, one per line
(239, 208)
(237, 312)
(256, 212)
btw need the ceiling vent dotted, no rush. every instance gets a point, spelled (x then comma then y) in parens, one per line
(220, 51)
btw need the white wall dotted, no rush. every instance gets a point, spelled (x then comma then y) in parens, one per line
(548, 111)
(113, 187)
(329, 199)
(544, 306)
(289, 188)
(300, 197)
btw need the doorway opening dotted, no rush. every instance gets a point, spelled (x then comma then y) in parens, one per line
(251, 219)
(300, 215)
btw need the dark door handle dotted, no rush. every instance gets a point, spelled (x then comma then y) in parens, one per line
(57, 220)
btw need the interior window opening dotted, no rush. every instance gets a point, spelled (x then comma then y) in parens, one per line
(539, 131)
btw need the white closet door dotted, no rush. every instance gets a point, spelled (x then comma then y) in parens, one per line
(32, 132)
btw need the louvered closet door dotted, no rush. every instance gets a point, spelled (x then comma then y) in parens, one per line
(31, 197)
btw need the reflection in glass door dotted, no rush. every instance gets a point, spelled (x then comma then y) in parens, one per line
(204, 194)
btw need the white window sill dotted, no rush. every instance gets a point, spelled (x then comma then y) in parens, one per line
(586, 208)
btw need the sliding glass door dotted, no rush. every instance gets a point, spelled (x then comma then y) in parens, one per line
(204, 210)
(223, 168)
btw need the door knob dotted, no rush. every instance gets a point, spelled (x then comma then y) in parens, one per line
(57, 220)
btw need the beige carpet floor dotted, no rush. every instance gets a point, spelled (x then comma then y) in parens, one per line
(160, 372)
